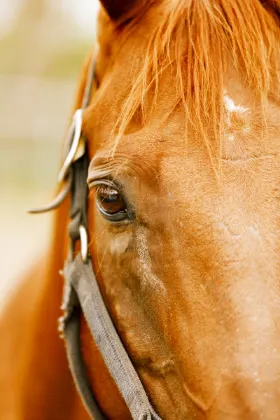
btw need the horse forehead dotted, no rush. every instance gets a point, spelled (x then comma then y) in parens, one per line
(146, 147)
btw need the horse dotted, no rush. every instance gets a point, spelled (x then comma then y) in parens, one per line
(182, 132)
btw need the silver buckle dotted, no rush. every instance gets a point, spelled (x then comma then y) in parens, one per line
(76, 145)
(74, 152)
(84, 243)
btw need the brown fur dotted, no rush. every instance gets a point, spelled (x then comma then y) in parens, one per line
(195, 345)
(199, 39)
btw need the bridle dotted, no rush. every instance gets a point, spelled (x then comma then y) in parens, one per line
(81, 291)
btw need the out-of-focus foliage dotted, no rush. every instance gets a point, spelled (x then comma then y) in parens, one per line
(43, 42)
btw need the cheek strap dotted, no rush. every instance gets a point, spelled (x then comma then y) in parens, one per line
(82, 294)
(81, 291)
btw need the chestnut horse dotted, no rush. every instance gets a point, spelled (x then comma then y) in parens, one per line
(183, 134)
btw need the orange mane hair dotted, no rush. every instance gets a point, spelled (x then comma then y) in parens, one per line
(198, 38)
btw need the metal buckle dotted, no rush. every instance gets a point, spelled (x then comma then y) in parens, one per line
(84, 243)
(75, 130)
(57, 200)
(76, 145)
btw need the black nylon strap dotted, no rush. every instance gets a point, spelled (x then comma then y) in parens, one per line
(77, 365)
(82, 293)
(83, 287)
(79, 196)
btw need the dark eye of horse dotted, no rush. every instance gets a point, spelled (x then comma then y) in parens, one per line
(111, 203)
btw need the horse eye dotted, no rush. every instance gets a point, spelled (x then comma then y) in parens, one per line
(111, 203)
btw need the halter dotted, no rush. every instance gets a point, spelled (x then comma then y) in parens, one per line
(81, 291)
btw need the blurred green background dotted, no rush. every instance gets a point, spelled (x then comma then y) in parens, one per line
(43, 44)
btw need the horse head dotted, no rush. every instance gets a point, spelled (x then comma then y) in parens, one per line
(184, 209)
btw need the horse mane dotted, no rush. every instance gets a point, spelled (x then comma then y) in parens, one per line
(199, 38)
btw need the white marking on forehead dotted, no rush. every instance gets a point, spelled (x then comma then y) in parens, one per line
(254, 232)
(232, 107)
(145, 263)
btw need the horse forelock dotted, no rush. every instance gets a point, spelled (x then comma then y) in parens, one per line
(200, 40)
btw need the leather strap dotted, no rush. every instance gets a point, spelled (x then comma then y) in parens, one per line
(77, 365)
(79, 197)
(82, 292)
